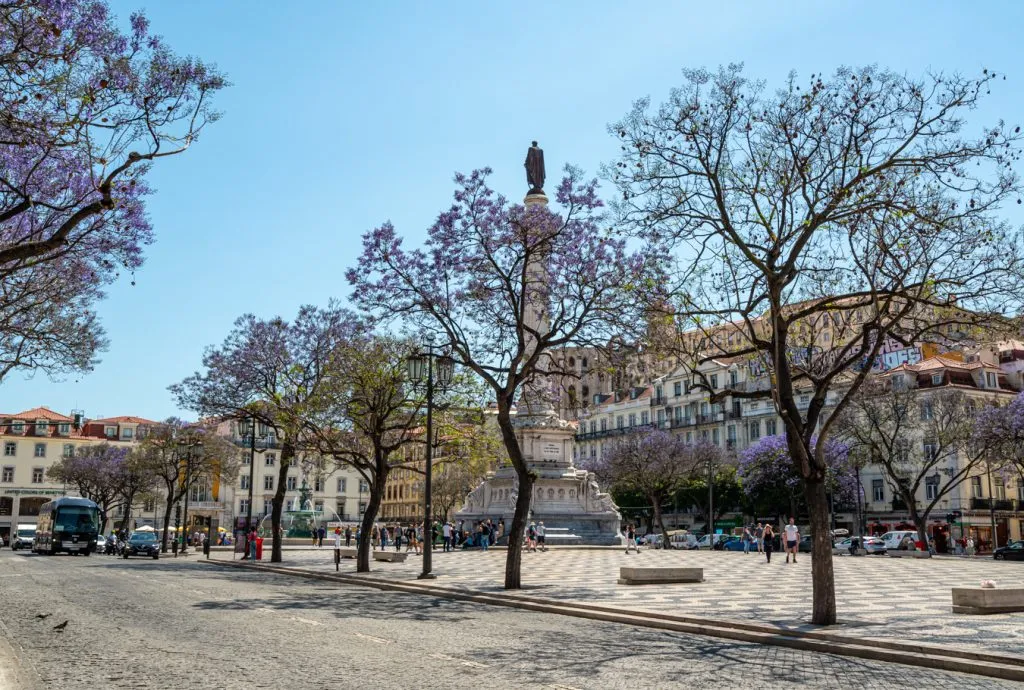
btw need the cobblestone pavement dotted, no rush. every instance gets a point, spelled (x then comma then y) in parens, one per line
(180, 624)
(877, 596)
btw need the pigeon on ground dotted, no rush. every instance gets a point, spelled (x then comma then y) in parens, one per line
(60, 626)
(42, 616)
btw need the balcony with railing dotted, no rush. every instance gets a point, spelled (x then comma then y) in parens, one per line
(981, 504)
(899, 504)
(1005, 504)
(659, 401)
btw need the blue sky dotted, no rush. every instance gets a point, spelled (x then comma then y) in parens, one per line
(343, 115)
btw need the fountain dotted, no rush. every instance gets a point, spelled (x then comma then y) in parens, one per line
(302, 523)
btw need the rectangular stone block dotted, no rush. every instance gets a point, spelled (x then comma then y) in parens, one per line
(390, 556)
(653, 576)
(348, 552)
(907, 554)
(983, 600)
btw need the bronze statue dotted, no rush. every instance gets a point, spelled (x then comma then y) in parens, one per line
(535, 169)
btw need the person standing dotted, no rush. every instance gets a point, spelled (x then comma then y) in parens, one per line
(631, 539)
(252, 544)
(759, 537)
(384, 537)
(768, 537)
(321, 533)
(747, 538)
(348, 535)
(531, 537)
(792, 539)
(396, 533)
(541, 533)
(446, 533)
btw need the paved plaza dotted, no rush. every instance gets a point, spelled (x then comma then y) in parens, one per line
(177, 623)
(878, 596)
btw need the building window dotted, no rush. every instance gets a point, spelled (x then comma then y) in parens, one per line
(678, 413)
(990, 379)
(714, 383)
(149, 505)
(268, 482)
(64, 429)
(364, 488)
(931, 487)
(632, 420)
(270, 459)
(931, 452)
(999, 487)
(40, 450)
(318, 484)
(362, 507)
(899, 383)
(291, 484)
(755, 430)
(243, 506)
(877, 491)
(37, 475)
(18, 427)
(42, 427)
(243, 481)
(645, 418)
(268, 506)
(714, 438)
(731, 433)
(289, 505)
(975, 487)
(10, 449)
(127, 434)
(677, 388)
(318, 506)
(926, 410)
(339, 507)
(1020, 490)
(604, 424)
(341, 486)
(733, 378)
(936, 379)
(69, 450)
(769, 427)
(618, 421)
(8, 475)
(110, 431)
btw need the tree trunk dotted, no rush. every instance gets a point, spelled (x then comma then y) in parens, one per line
(513, 560)
(921, 522)
(277, 503)
(167, 519)
(656, 505)
(380, 479)
(822, 575)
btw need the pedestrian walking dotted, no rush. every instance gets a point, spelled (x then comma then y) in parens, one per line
(397, 535)
(768, 537)
(252, 544)
(337, 548)
(631, 539)
(792, 539)
(321, 533)
(541, 533)
(384, 537)
(759, 537)
(747, 538)
(446, 533)
(348, 535)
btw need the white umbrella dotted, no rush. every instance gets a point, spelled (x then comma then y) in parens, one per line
(145, 528)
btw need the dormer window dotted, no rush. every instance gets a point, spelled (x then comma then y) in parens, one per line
(18, 428)
(899, 382)
(936, 379)
(64, 429)
(990, 380)
(127, 434)
(42, 427)
(110, 431)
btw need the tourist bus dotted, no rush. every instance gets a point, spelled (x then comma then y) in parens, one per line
(67, 524)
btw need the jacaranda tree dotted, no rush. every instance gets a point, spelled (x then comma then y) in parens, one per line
(85, 111)
(503, 286)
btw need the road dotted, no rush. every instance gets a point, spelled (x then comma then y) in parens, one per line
(180, 623)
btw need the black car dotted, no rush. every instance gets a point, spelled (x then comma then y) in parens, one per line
(142, 544)
(1014, 551)
(806, 544)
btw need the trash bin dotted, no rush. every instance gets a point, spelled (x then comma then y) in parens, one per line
(259, 548)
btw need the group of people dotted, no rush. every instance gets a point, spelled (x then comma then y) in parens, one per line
(762, 536)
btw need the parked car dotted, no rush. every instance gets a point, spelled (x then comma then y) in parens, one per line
(681, 539)
(736, 544)
(892, 540)
(101, 544)
(806, 544)
(873, 545)
(22, 538)
(1014, 551)
(705, 542)
(142, 544)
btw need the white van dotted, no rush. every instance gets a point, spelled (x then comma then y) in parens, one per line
(892, 540)
(22, 538)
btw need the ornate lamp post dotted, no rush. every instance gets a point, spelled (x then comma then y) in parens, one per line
(247, 427)
(188, 446)
(421, 365)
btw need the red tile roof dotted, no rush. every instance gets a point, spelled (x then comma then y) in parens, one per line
(122, 420)
(39, 413)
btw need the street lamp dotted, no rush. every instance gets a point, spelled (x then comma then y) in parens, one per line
(189, 445)
(711, 504)
(421, 365)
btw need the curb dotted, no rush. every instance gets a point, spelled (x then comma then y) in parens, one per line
(921, 654)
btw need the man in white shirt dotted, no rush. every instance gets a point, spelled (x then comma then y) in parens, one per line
(540, 537)
(446, 532)
(792, 539)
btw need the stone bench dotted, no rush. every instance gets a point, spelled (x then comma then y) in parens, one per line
(390, 556)
(979, 600)
(896, 553)
(659, 576)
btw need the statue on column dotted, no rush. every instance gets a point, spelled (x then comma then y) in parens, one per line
(535, 169)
